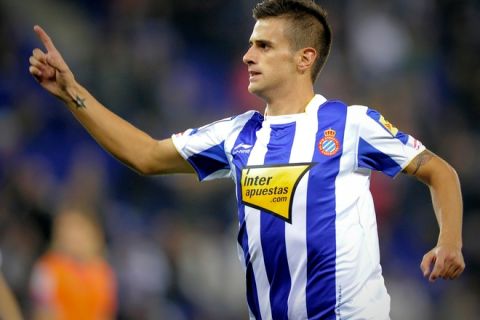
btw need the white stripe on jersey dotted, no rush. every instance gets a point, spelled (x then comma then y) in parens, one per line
(252, 218)
(295, 233)
(356, 234)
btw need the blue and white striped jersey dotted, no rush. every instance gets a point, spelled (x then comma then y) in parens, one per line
(307, 229)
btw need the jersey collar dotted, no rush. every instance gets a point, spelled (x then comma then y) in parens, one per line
(311, 107)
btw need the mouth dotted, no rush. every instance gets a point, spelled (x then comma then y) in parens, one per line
(254, 74)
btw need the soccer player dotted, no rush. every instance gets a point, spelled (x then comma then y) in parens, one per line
(73, 280)
(307, 230)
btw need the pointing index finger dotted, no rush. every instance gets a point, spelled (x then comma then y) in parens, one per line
(47, 42)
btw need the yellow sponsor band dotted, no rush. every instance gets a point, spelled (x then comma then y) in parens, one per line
(272, 188)
(390, 127)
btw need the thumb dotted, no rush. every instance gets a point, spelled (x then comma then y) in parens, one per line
(427, 260)
(438, 268)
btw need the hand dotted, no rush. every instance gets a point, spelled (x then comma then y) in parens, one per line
(447, 263)
(49, 69)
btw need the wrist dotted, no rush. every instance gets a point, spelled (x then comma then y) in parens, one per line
(450, 242)
(74, 97)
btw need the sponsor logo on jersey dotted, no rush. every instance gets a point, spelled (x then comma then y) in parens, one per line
(272, 188)
(329, 145)
(242, 148)
(416, 144)
(390, 127)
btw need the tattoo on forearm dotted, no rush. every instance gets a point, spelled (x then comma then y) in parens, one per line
(79, 102)
(420, 160)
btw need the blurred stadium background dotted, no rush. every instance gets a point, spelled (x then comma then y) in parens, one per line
(169, 65)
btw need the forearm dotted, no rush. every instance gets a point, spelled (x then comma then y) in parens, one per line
(124, 141)
(445, 190)
(447, 204)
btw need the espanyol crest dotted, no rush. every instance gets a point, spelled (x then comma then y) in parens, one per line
(329, 145)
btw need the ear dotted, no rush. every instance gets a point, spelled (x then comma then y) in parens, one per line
(305, 59)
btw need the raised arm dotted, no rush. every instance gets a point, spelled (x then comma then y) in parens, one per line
(127, 143)
(441, 178)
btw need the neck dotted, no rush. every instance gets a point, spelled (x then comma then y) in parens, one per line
(293, 101)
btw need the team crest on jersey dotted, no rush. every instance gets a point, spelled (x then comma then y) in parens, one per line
(272, 188)
(329, 145)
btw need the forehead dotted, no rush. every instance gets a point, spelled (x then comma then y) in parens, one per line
(271, 29)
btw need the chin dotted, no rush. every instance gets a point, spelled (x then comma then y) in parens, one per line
(255, 90)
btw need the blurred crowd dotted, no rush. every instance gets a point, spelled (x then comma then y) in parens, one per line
(169, 65)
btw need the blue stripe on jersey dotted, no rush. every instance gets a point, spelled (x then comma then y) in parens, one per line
(371, 158)
(273, 228)
(209, 161)
(321, 216)
(402, 137)
(247, 136)
(374, 114)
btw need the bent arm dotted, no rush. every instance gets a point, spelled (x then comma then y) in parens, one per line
(444, 186)
(130, 145)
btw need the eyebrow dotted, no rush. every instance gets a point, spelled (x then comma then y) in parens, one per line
(261, 41)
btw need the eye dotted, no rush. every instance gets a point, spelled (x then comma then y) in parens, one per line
(264, 45)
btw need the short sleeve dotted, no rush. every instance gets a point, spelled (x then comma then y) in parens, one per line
(204, 149)
(42, 285)
(382, 147)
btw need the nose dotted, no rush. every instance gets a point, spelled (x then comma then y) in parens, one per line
(248, 57)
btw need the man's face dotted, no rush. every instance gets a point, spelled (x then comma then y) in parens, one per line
(270, 59)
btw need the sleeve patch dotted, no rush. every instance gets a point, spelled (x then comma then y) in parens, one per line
(387, 125)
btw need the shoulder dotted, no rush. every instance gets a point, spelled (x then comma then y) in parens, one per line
(358, 108)
(235, 120)
(357, 113)
(236, 123)
(339, 104)
(251, 115)
(49, 259)
(338, 108)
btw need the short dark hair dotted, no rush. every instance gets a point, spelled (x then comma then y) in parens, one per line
(309, 26)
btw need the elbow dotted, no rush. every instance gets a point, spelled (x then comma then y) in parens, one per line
(140, 171)
(144, 169)
(453, 174)
(444, 174)
(148, 163)
(140, 166)
(435, 171)
(449, 172)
